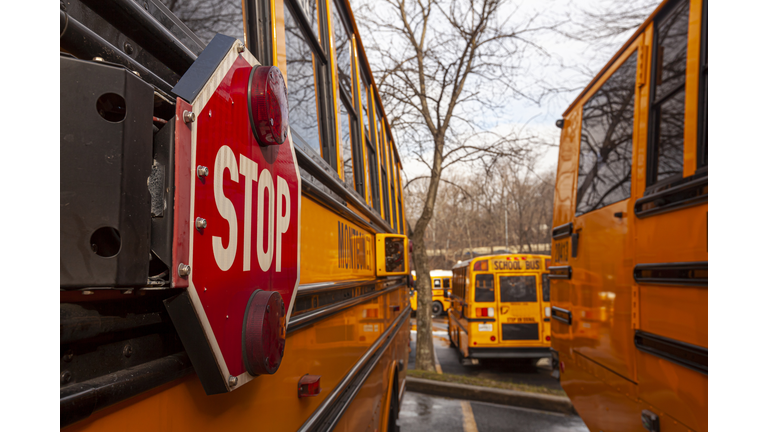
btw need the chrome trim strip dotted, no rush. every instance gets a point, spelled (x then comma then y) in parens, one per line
(562, 231)
(311, 317)
(314, 288)
(554, 272)
(680, 273)
(564, 312)
(684, 354)
(362, 368)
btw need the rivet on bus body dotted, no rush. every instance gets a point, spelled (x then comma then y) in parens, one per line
(232, 381)
(200, 223)
(188, 116)
(184, 270)
(240, 48)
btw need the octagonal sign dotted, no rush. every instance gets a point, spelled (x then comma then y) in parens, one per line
(244, 216)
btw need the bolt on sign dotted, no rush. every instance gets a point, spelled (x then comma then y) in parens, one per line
(244, 217)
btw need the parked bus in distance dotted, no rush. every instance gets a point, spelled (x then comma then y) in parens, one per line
(630, 258)
(500, 307)
(441, 292)
(232, 248)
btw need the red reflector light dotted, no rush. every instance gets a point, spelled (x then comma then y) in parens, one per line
(493, 338)
(481, 312)
(263, 338)
(481, 266)
(268, 105)
(309, 385)
(474, 343)
(523, 258)
(548, 338)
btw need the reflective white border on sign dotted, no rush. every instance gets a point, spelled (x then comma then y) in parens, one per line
(197, 106)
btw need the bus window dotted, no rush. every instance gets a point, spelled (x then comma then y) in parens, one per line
(437, 283)
(206, 18)
(545, 287)
(302, 94)
(343, 50)
(400, 201)
(605, 160)
(516, 289)
(484, 288)
(447, 283)
(667, 110)
(348, 120)
(383, 163)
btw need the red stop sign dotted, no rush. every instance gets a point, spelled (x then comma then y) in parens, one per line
(250, 201)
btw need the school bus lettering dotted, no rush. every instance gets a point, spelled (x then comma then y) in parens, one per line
(560, 252)
(517, 265)
(354, 248)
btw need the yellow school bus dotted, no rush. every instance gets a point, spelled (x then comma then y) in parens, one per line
(630, 258)
(500, 307)
(130, 358)
(441, 292)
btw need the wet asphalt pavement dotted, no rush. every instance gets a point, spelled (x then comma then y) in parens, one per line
(420, 412)
(497, 370)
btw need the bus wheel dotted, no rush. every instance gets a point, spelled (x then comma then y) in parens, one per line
(394, 408)
(437, 308)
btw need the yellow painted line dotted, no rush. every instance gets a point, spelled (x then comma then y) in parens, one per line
(469, 417)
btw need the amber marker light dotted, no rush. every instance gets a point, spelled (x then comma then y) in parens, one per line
(481, 266)
(268, 105)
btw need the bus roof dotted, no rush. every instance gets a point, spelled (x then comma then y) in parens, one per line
(441, 273)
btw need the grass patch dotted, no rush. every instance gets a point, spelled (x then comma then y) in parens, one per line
(483, 382)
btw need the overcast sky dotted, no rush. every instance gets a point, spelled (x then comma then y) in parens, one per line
(571, 64)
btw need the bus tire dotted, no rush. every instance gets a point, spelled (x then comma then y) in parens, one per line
(394, 409)
(437, 308)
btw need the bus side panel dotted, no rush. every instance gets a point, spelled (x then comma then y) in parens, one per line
(681, 392)
(562, 291)
(333, 248)
(567, 169)
(679, 313)
(602, 407)
(366, 410)
(329, 349)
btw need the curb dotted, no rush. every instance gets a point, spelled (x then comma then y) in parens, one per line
(515, 398)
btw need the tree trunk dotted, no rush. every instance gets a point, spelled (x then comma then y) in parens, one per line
(425, 350)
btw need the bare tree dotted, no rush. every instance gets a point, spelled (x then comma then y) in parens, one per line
(443, 67)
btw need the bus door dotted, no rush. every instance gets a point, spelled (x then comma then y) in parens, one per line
(602, 243)
(519, 308)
